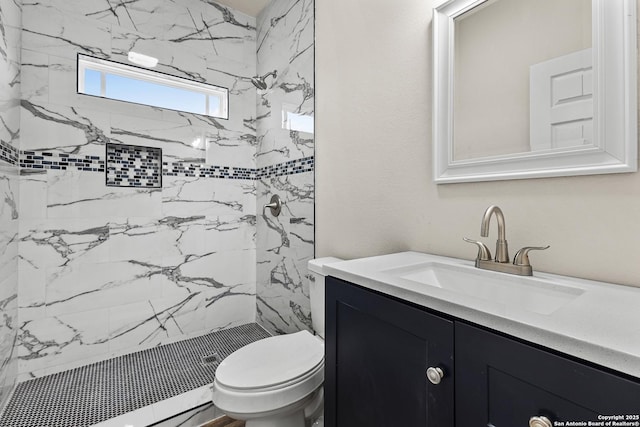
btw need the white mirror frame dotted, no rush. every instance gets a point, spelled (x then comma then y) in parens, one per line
(615, 129)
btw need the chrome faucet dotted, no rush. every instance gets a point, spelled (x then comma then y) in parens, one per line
(520, 264)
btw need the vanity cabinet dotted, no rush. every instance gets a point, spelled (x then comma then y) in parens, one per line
(503, 382)
(379, 348)
(378, 351)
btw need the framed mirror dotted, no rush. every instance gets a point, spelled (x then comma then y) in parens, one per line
(534, 88)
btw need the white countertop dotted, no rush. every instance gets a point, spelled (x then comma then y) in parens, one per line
(601, 325)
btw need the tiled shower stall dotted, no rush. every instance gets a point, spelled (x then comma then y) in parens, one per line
(90, 271)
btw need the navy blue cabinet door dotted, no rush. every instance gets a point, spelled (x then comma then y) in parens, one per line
(502, 382)
(377, 353)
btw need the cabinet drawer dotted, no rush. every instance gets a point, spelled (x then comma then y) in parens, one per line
(503, 382)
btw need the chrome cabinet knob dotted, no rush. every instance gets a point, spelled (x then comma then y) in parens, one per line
(435, 375)
(540, 421)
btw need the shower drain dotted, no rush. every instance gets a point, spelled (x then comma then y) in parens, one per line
(210, 359)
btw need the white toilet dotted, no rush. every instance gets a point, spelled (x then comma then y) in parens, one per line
(277, 381)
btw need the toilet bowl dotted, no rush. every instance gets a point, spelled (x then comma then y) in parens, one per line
(277, 381)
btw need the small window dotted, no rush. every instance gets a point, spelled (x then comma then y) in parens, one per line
(113, 80)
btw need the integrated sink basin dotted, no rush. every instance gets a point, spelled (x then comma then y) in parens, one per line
(590, 320)
(532, 294)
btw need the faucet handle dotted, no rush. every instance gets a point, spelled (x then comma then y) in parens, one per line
(483, 251)
(522, 256)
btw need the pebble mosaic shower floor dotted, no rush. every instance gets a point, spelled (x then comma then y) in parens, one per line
(93, 393)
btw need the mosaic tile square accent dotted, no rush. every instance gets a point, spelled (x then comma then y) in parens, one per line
(94, 393)
(8, 153)
(133, 166)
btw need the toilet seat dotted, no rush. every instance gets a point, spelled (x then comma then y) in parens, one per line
(272, 362)
(270, 374)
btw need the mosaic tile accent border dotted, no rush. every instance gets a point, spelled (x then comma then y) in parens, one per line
(133, 166)
(94, 393)
(201, 170)
(60, 161)
(292, 167)
(8, 153)
(53, 160)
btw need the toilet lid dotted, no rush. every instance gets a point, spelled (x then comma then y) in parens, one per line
(271, 361)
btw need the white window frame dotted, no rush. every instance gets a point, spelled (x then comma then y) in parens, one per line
(105, 67)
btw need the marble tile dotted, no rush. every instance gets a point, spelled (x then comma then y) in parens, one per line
(62, 338)
(9, 74)
(285, 43)
(68, 129)
(136, 15)
(33, 188)
(75, 263)
(10, 23)
(170, 237)
(176, 60)
(76, 194)
(285, 244)
(35, 76)
(10, 120)
(101, 285)
(219, 270)
(191, 137)
(235, 45)
(232, 148)
(62, 242)
(179, 142)
(143, 324)
(47, 29)
(235, 309)
(8, 333)
(33, 290)
(189, 305)
(143, 239)
(189, 294)
(185, 196)
(9, 218)
(287, 27)
(182, 258)
(11, 13)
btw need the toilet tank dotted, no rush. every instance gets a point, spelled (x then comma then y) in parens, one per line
(316, 291)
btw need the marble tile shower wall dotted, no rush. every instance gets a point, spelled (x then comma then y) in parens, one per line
(285, 244)
(10, 18)
(107, 270)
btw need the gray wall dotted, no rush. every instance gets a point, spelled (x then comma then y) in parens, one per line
(374, 109)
